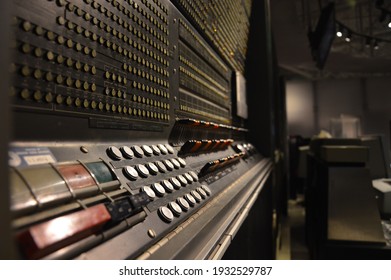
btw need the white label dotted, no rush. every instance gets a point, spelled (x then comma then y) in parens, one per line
(34, 160)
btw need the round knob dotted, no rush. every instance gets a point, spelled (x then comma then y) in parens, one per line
(127, 152)
(169, 165)
(159, 190)
(142, 170)
(152, 168)
(165, 214)
(182, 180)
(188, 178)
(162, 149)
(194, 175)
(155, 150)
(114, 153)
(147, 150)
(176, 163)
(149, 192)
(168, 186)
(240, 148)
(130, 173)
(201, 192)
(182, 162)
(138, 151)
(175, 208)
(175, 183)
(190, 199)
(196, 195)
(206, 189)
(160, 165)
(183, 203)
(169, 149)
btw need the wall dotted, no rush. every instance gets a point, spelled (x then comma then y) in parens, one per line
(336, 97)
(378, 111)
(311, 105)
(300, 111)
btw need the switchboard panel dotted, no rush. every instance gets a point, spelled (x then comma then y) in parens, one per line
(122, 127)
(108, 61)
(225, 23)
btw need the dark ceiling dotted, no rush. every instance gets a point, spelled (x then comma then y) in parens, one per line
(291, 20)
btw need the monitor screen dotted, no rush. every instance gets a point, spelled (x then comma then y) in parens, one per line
(323, 36)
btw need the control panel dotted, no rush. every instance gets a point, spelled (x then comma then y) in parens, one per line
(87, 193)
(122, 122)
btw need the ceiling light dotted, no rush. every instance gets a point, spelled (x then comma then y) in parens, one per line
(339, 31)
(375, 46)
(348, 37)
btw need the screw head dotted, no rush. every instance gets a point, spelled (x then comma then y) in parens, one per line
(151, 233)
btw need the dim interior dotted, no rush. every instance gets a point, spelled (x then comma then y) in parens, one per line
(184, 130)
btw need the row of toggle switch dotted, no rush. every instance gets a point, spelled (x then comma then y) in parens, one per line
(169, 185)
(175, 208)
(46, 237)
(220, 163)
(153, 168)
(126, 152)
(197, 146)
(204, 124)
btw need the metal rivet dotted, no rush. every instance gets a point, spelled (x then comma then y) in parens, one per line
(151, 233)
(84, 149)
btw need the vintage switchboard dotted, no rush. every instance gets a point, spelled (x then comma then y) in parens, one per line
(123, 141)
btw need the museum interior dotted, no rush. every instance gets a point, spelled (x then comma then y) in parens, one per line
(195, 130)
